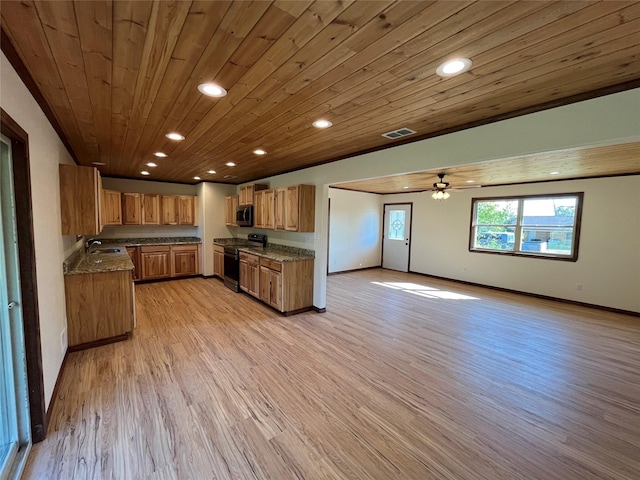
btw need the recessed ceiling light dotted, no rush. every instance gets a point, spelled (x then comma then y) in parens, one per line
(160, 154)
(144, 172)
(196, 178)
(554, 173)
(211, 172)
(453, 67)
(470, 181)
(405, 187)
(259, 151)
(322, 124)
(230, 164)
(151, 164)
(174, 136)
(212, 90)
(98, 164)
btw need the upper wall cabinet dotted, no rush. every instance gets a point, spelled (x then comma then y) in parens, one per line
(150, 209)
(231, 206)
(111, 209)
(246, 193)
(80, 200)
(179, 210)
(299, 208)
(131, 209)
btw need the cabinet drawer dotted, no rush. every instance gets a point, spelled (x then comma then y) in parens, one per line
(249, 258)
(155, 248)
(276, 266)
(218, 248)
(189, 247)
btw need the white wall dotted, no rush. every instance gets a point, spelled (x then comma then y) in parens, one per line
(608, 265)
(355, 229)
(605, 120)
(46, 151)
(212, 212)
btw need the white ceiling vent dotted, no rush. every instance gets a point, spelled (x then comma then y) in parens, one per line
(402, 132)
(230, 177)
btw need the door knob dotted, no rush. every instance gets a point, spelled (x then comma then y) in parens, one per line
(11, 305)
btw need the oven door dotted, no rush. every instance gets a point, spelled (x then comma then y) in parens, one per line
(232, 269)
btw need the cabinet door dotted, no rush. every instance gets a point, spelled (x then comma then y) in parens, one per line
(218, 263)
(292, 212)
(265, 284)
(258, 209)
(231, 207)
(275, 290)
(134, 254)
(281, 194)
(169, 210)
(131, 209)
(254, 279)
(269, 210)
(244, 275)
(184, 260)
(186, 210)
(80, 192)
(111, 208)
(150, 209)
(243, 196)
(155, 264)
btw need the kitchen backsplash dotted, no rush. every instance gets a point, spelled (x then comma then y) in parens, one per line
(147, 231)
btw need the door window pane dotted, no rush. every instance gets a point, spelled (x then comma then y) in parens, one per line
(396, 225)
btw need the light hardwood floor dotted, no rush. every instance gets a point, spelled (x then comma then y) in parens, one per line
(406, 378)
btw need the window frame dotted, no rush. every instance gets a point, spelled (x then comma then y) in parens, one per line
(519, 226)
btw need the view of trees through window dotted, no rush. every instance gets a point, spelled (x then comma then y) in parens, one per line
(527, 225)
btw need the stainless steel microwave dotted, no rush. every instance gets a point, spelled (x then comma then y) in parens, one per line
(244, 216)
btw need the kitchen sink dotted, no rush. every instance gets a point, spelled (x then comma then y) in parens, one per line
(106, 250)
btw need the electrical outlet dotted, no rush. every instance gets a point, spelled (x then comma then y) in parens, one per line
(579, 287)
(63, 341)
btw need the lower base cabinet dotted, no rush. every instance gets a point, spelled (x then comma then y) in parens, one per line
(167, 261)
(218, 261)
(100, 308)
(250, 274)
(134, 255)
(285, 286)
(155, 262)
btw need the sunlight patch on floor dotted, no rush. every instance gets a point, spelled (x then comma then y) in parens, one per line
(424, 291)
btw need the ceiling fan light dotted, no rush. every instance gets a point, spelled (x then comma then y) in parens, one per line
(445, 195)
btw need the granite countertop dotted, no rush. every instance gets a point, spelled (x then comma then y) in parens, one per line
(273, 251)
(85, 262)
(136, 242)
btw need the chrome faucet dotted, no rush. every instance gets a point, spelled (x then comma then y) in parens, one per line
(91, 242)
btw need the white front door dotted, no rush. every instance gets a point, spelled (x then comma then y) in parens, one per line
(15, 435)
(397, 236)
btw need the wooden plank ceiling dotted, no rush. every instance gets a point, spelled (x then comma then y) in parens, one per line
(119, 75)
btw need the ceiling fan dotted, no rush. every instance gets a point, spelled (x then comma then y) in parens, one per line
(440, 188)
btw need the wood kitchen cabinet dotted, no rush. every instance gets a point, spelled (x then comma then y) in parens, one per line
(271, 284)
(169, 209)
(231, 207)
(131, 208)
(185, 260)
(150, 209)
(134, 254)
(264, 209)
(247, 192)
(299, 208)
(250, 273)
(80, 200)
(286, 286)
(100, 308)
(281, 195)
(218, 261)
(111, 208)
(155, 262)
(187, 210)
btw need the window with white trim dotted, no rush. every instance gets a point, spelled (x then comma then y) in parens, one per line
(541, 225)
